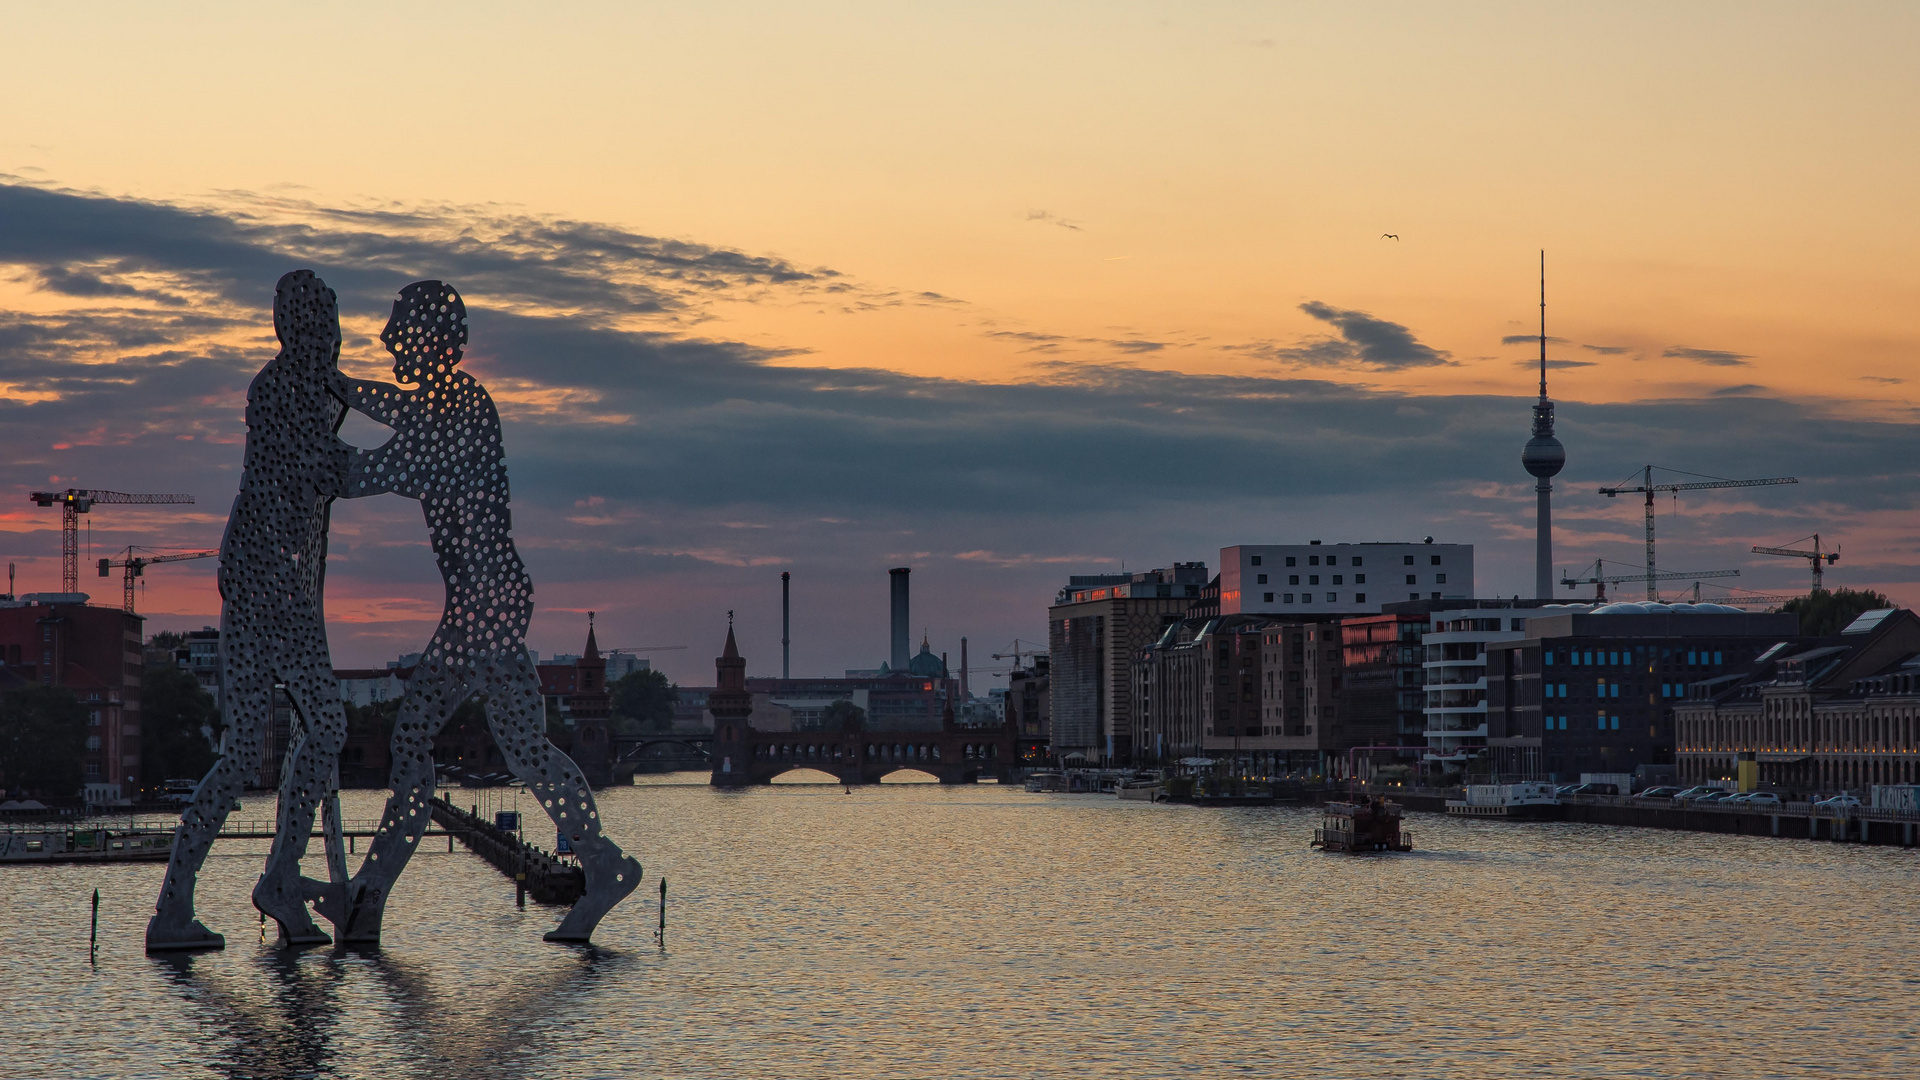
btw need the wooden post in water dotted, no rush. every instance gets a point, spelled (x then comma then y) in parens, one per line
(661, 934)
(93, 935)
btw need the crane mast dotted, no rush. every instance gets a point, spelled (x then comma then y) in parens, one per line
(1648, 488)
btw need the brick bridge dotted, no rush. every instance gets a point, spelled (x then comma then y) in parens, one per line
(853, 755)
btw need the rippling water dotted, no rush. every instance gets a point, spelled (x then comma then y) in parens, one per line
(920, 931)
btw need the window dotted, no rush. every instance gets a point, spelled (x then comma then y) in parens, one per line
(1408, 559)
(1359, 579)
(1261, 580)
(1356, 561)
(1359, 598)
(1339, 579)
(1411, 580)
(93, 718)
(1313, 579)
(1716, 659)
(1313, 560)
(1293, 579)
(1435, 559)
(1288, 599)
(1433, 596)
(1256, 560)
(1331, 559)
(1269, 597)
(1603, 721)
(93, 742)
(1413, 596)
(1306, 598)
(1439, 579)
(1332, 598)
(1289, 560)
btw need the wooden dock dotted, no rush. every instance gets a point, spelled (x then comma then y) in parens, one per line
(548, 878)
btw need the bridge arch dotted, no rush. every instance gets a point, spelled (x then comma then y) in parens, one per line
(907, 775)
(801, 773)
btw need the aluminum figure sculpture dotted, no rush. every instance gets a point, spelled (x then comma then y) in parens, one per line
(446, 452)
(272, 631)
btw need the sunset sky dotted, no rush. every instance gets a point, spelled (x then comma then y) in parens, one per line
(1002, 292)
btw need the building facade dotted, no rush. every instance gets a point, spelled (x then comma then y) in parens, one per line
(1383, 692)
(1095, 628)
(1263, 692)
(1812, 716)
(97, 653)
(1595, 690)
(1315, 579)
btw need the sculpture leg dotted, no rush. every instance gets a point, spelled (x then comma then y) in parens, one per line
(306, 779)
(249, 709)
(518, 718)
(432, 695)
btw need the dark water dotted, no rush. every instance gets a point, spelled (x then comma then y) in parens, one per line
(915, 931)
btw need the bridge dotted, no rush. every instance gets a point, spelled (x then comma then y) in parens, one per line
(744, 756)
(662, 752)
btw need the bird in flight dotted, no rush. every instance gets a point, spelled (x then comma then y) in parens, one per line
(1389, 236)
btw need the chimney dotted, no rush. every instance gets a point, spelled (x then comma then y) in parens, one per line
(966, 694)
(786, 611)
(900, 633)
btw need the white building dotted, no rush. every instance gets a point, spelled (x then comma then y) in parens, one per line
(1340, 579)
(369, 686)
(1456, 673)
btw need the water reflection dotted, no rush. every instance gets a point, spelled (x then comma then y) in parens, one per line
(432, 1025)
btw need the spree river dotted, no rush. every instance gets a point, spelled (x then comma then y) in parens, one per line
(910, 930)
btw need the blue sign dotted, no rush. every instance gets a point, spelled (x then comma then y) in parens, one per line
(563, 846)
(507, 820)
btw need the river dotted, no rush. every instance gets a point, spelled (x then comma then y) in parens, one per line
(910, 930)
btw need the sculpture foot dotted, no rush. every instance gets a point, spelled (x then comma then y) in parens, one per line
(165, 936)
(577, 928)
(328, 899)
(296, 925)
(367, 907)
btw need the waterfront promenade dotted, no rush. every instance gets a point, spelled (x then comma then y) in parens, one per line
(980, 931)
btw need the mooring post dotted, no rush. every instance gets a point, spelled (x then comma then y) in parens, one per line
(661, 934)
(93, 935)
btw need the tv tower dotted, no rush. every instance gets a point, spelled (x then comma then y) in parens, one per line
(1544, 457)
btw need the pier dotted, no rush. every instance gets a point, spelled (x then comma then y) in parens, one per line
(547, 878)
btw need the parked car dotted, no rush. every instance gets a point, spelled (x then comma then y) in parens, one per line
(1658, 793)
(1711, 797)
(1592, 789)
(1697, 792)
(1565, 789)
(1760, 798)
(1839, 802)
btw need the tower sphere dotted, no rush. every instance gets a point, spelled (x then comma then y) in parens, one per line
(1544, 456)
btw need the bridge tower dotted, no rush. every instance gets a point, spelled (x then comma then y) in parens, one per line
(590, 708)
(731, 705)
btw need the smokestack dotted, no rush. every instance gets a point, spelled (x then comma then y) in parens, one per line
(786, 612)
(965, 694)
(901, 653)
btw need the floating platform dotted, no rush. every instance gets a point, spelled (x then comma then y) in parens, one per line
(1359, 827)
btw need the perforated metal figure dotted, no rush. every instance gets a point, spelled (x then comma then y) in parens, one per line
(272, 564)
(447, 453)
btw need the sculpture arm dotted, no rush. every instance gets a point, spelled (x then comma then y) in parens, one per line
(381, 402)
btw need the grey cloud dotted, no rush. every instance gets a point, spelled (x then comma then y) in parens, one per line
(1884, 380)
(1053, 219)
(1364, 341)
(1743, 388)
(1530, 339)
(1716, 357)
(1607, 350)
(1555, 364)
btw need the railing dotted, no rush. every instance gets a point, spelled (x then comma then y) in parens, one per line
(1790, 809)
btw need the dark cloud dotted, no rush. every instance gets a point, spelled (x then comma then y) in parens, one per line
(1053, 219)
(663, 477)
(1556, 364)
(1042, 342)
(1607, 350)
(1716, 357)
(1530, 339)
(1364, 342)
(1884, 380)
(1743, 388)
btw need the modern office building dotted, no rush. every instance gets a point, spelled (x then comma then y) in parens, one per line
(1095, 628)
(1811, 715)
(1383, 694)
(1455, 673)
(1315, 580)
(1594, 690)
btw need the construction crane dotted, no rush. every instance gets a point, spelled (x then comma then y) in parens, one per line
(1648, 487)
(136, 566)
(1820, 560)
(1018, 652)
(76, 501)
(1600, 579)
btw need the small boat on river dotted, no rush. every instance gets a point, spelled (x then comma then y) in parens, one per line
(1533, 801)
(1369, 824)
(31, 844)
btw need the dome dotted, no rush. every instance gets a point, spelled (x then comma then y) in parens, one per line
(1544, 456)
(925, 665)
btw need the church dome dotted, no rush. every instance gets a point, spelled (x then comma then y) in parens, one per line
(926, 665)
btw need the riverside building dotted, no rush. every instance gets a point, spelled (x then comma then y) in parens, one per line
(58, 639)
(1810, 715)
(1095, 628)
(1315, 580)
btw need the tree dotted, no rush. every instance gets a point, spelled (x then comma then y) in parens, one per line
(644, 699)
(1829, 611)
(43, 736)
(179, 726)
(842, 714)
(167, 640)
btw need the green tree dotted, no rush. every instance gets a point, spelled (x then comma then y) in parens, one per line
(1829, 611)
(838, 715)
(43, 735)
(643, 700)
(179, 727)
(167, 639)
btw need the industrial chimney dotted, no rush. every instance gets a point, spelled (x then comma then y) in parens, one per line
(901, 655)
(786, 626)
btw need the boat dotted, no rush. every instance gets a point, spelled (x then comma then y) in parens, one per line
(1140, 790)
(27, 844)
(1531, 801)
(1047, 780)
(1371, 824)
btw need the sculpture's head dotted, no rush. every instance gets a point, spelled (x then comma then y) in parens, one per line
(306, 313)
(428, 327)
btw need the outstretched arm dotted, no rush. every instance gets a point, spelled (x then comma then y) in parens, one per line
(383, 402)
